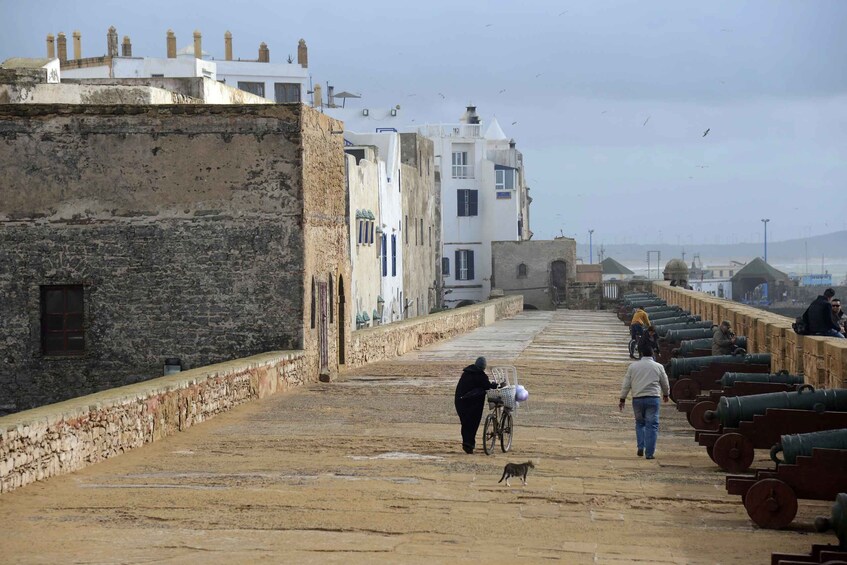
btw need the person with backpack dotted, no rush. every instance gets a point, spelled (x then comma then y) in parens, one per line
(818, 317)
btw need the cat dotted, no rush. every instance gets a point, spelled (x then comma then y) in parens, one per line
(516, 470)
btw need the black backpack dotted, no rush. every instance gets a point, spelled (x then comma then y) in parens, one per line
(801, 324)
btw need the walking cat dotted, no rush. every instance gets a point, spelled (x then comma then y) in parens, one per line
(516, 470)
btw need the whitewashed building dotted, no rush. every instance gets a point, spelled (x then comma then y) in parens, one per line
(284, 82)
(721, 288)
(484, 198)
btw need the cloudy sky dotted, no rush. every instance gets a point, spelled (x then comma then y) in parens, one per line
(608, 100)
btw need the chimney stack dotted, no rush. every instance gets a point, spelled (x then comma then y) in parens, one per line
(264, 53)
(303, 54)
(198, 45)
(171, 42)
(62, 47)
(112, 42)
(228, 46)
(330, 96)
(77, 45)
(317, 101)
(126, 47)
(51, 46)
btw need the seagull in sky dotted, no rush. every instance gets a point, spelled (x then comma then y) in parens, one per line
(563, 13)
(645, 121)
(513, 123)
(488, 25)
(502, 91)
(538, 75)
(705, 133)
(442, 96)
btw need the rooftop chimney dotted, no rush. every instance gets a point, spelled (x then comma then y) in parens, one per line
(303, 54)
(51, 46)
(77, 45)
(264, 53)
(228, 46)
(317, 100)
(62, 47)
(126, 47)
(330, 96)
(198, 45)
(112, 42)
(171, 43)
(470, 116)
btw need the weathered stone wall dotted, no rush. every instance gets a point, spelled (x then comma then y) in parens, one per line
(538, 257)
(89, 94)
(421, 225)
(60, 438)
(822, 360)
(325, 231)
(205, 90)
(184, 224)
(391, 340)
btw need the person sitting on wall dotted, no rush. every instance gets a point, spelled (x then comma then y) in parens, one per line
(818, 316)
(470, 400)
(838, 315)
(723, 340)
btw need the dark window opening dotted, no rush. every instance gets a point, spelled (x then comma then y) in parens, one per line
(62, 320)
(286, 92)
(445, 266)
(467, 202)
(313, 303)
(522, 270)
(257, 88)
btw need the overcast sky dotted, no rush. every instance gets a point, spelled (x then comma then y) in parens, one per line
(610, 99)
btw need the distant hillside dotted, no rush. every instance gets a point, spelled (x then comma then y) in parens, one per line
(832, 246)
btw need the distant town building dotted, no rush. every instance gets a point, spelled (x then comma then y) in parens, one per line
(615, 271)
(285, 82)
(721, 288)
(816, 280)
(757, 282)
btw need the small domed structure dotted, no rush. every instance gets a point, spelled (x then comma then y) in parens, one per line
(676, 271)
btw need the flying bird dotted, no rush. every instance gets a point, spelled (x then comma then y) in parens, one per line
(538, 75)
(513, 123)
(563, 13)
(442, 96)
(604, 111)
(645, 121)
(502, 91)
(488, 25)
(705, 133)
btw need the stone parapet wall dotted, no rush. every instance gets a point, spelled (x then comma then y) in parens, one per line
(64, 437)
(391, 340)
(821, 360)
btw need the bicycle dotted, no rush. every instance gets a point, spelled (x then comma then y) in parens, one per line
(635, 333)
(499, 424)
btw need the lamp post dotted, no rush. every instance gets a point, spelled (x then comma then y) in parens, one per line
(765, 221)
(590, 248)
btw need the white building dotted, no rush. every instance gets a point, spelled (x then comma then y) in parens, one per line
(484, 198)
(721, 288)
(280, 82)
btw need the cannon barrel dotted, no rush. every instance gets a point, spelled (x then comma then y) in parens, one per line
(663, 330)
(636, 295)
(674, 320)
(688, 346)
(793, 446)
(684, 365)
(678, 336)
(656, 316)
(837, 521)
(733, 409)
(729, 379)
(651, 309)
(645, 302)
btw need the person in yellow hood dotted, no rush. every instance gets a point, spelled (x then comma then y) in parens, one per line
(640, 322)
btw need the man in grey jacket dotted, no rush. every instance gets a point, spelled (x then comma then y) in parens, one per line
(647, 380)
(723, 340)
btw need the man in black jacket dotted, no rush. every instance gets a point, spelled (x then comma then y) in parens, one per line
(470, 400)
(819, 320)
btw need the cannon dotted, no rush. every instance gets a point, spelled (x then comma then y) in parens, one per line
(664, 314)
(793, 446)
(694, 409)
(678, 319)
(684, 366)
(836, 522)
(770, 496)
(729, 379)
(651, 309)
(688, 347)
(733, 448)
(625, 314)
(680, 335)
(732, 410)
(663, 329)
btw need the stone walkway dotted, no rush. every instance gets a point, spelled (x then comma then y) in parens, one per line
(369, 469)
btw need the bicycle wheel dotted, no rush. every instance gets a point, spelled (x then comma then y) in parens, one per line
(506, 429)
(489, 434)
(633, 349)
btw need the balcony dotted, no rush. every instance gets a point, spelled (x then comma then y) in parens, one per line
(450, 130)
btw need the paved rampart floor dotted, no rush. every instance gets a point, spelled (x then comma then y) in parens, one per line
(369, 469)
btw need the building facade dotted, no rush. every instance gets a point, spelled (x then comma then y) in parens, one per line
(541, 271)
(484, 198)
(133, 235)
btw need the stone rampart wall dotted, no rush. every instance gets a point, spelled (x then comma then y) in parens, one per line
(67, 436)
(60, 438)
(391, 340)
(822, 360)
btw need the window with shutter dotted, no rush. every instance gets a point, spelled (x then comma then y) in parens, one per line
(384, 256)
(393, 255)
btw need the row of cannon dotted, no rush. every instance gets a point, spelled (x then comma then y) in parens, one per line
(736, 405)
